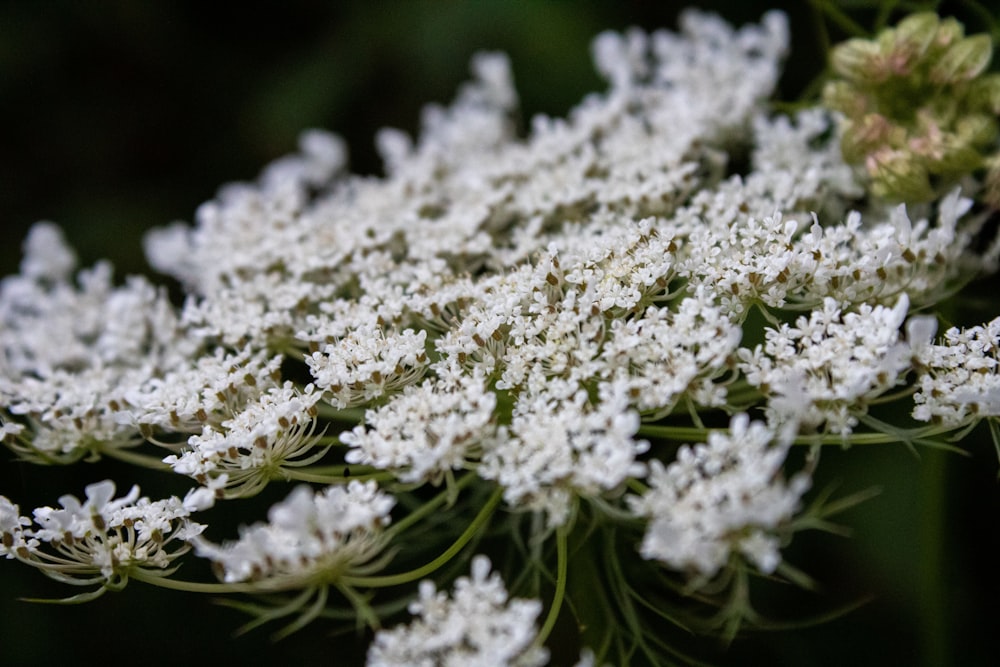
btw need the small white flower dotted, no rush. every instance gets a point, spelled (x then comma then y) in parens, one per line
(718, 498)
(827, 367)
(426, 431)
(958, 379)
(476, 626)
(310, 538)
(104, 538)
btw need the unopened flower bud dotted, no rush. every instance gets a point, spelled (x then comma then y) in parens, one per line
(963, 61)
(859, 60)
(984, 93)
(898, 175)
(843, 97)
(916, 32)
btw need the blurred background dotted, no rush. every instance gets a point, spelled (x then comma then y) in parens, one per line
(119, 116)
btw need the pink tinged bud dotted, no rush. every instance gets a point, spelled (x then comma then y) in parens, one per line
(963, 61)
(860, 61)
(914, 34)
(898, 176)
(843, 97)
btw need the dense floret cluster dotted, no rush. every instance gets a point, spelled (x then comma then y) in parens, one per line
(607, 319)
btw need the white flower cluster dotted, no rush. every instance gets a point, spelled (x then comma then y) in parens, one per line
(723, 497)
(310, 538)
(367, 363)
(103, 539)
(477, 626)
(206, 390)
(70, 353)
(958, 378)
(426, 431)
(560, 447)
(827, 367)
(518, 307)
(246, 451)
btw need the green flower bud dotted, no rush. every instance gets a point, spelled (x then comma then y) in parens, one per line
(906, 45)
(954, 158)
(859, 60)
(949, 32)
(964, 60)
(843, 97)
(984, 94)
(898, 175)
(977, 129)
(918, 109)
(868, 135)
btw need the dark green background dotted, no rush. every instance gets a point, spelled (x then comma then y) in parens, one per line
(119, 116)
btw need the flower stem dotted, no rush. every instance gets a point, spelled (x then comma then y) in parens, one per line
(933, 588)
(134, 458)
(319, 477)
(193, 586)
(427, 508)
(562, 556)
(345, 416)
(385, 581)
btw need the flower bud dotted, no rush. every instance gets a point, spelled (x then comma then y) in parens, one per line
(964, 60)
(906, 45)
(843, 97)
(976, 129)
(949, 32)
(984, 93)
(917, 31)
(859, 60)
(898, 175)
(872, 132)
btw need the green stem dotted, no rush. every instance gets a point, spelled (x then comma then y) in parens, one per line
(695, 434)
(684, 433)
(838, 17)
(562, 554)
(308, 475)
(193, 586)
(384, 581)
(427, 508)
(362, 609)
(134, 458)
(346, 416)
(933, 588)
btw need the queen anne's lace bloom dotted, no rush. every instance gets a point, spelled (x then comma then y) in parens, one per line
(720, 498)
(518, 311)
(561, 446)
(71, 353)
(103, 539)
(426, 431)
(826, 368)
(958, 378)
(476, 626)
(309, 539)
(251, 447)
